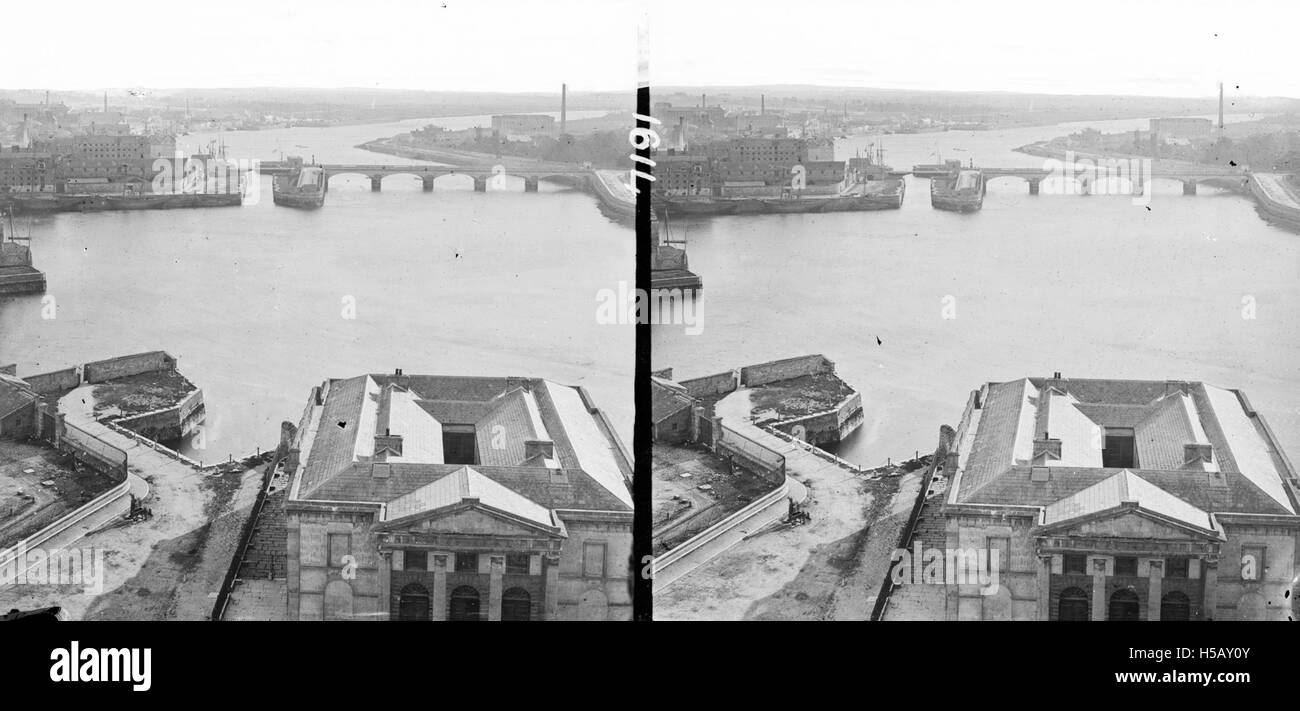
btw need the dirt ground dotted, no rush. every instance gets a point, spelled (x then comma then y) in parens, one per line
(798, 397)
(829, 569)
(141, 393)
(679, 471)
(26, 504)
(170, 566)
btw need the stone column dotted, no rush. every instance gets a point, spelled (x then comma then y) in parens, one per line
(530, 185)
(438, 601)
(1189, 187)
(376, 181)
(480, 184)
(552, 565)
(427, 182)
(1044, 586)
(1210, 571)
(386, 584)
(1033, 187)
(496, 568)
(1098, 589)
(1154, 583)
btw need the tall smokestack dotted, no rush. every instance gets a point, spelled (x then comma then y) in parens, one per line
(106, 102)
(564, 106)
(1220, 106)
(762, 104)
(703, 101)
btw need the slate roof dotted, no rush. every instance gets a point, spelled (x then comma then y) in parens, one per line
(587, 473)
(1121, 488)
(1245, 475)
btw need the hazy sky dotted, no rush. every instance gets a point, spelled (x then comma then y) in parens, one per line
(1164, 47)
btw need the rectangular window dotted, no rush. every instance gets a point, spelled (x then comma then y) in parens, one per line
(1252, 562)
(340, 544)
(1075, 564)
(1175, 567)
(517, 564)
(466, 562)
(1119, 450)
(593, 560)
(1126, 565)
(416, 560)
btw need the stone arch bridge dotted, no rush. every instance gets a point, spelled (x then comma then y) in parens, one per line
(572, 175)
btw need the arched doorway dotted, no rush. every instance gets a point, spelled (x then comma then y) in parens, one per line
(413, 603)
(1175, 607)
(1074, 606)
(1124, 605)
(464, 605)
(516, 605)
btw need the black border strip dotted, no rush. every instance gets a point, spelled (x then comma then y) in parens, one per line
(642, 591)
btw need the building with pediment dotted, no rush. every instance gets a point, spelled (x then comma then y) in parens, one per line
(425, 497)
(1120, 499)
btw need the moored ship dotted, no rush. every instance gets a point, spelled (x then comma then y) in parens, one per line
(17, 275)
(303, 187)
(958, 191)
(935, 170)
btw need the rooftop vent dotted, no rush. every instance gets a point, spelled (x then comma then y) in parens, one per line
(539, 447)
(387, 444)
(1194, 453)
(1047, 448)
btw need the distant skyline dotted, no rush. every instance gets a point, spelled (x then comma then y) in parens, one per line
(1108, 47)
(1159, 48)
(436, 45)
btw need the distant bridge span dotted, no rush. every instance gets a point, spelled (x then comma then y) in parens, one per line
(481, 173)
(1085, 170)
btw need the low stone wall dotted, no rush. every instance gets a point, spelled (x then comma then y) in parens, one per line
(118, 496)
(1273, 209)
(711, 385)
(829, 426)
(786, 369)
(124, 366)
(54, 382)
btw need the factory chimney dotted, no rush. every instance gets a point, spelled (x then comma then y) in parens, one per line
(703, 101)
(106, 102)
(762, 104)
(1220, 107)
(564, 106)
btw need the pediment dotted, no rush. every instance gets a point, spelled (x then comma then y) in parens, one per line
(472, 519)
(1129, 521)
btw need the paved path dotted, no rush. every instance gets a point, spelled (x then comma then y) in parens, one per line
(1278, 188)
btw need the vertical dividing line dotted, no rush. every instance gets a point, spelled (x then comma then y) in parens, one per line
(642, 592)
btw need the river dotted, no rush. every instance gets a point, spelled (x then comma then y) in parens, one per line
(1090, 286)
(251, 299)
